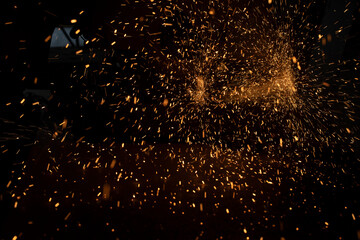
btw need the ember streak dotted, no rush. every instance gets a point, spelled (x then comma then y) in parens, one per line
(186, 120)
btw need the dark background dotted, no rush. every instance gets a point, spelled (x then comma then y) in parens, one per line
(24, 26)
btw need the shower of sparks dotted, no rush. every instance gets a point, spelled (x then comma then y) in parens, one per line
(249, 118)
